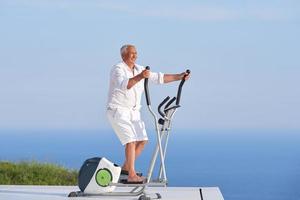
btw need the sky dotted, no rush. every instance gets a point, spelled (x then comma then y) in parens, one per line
(55, 58)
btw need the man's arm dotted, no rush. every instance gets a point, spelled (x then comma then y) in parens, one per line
(167, 77)
(175, 77)
(134, 80)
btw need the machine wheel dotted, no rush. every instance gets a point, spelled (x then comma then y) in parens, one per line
(103, 177)
(72, 194)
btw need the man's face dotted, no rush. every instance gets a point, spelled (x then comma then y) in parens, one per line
(131, 55)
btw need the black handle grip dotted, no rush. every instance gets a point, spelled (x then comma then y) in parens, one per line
(161, 104)
(170, 102)
(146, 89)
(180, 86)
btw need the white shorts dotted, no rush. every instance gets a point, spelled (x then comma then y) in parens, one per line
(127, 124)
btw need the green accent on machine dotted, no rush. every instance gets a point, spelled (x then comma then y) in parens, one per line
(103, 177)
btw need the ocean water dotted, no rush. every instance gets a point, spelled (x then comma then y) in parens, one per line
(249, 165)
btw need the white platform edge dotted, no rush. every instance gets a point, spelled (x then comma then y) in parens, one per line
(28, 192)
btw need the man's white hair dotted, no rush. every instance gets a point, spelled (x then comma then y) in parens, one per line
(124, 48)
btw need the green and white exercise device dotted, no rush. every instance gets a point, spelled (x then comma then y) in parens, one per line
(100, 177)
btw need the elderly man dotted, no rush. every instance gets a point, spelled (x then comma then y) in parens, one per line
(124, 103)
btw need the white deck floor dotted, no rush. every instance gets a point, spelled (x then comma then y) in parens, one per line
(16, 192)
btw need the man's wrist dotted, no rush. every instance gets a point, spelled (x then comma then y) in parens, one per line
(139, 77)
(180, 76)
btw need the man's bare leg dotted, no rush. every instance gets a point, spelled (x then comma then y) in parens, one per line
(130, 162)
(139, 147)
(128, 155)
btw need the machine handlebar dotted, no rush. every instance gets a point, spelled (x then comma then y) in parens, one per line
(180, 86)
(146, 89)
(161, 104)
(167, 98)
(170, 102)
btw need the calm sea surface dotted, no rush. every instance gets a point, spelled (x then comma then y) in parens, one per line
(250, 165)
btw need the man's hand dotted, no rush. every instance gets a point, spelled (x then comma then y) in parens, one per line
(185, 75)
(145, 73)
(132, 81)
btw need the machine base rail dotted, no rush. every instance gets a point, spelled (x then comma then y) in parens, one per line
(142, 195)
